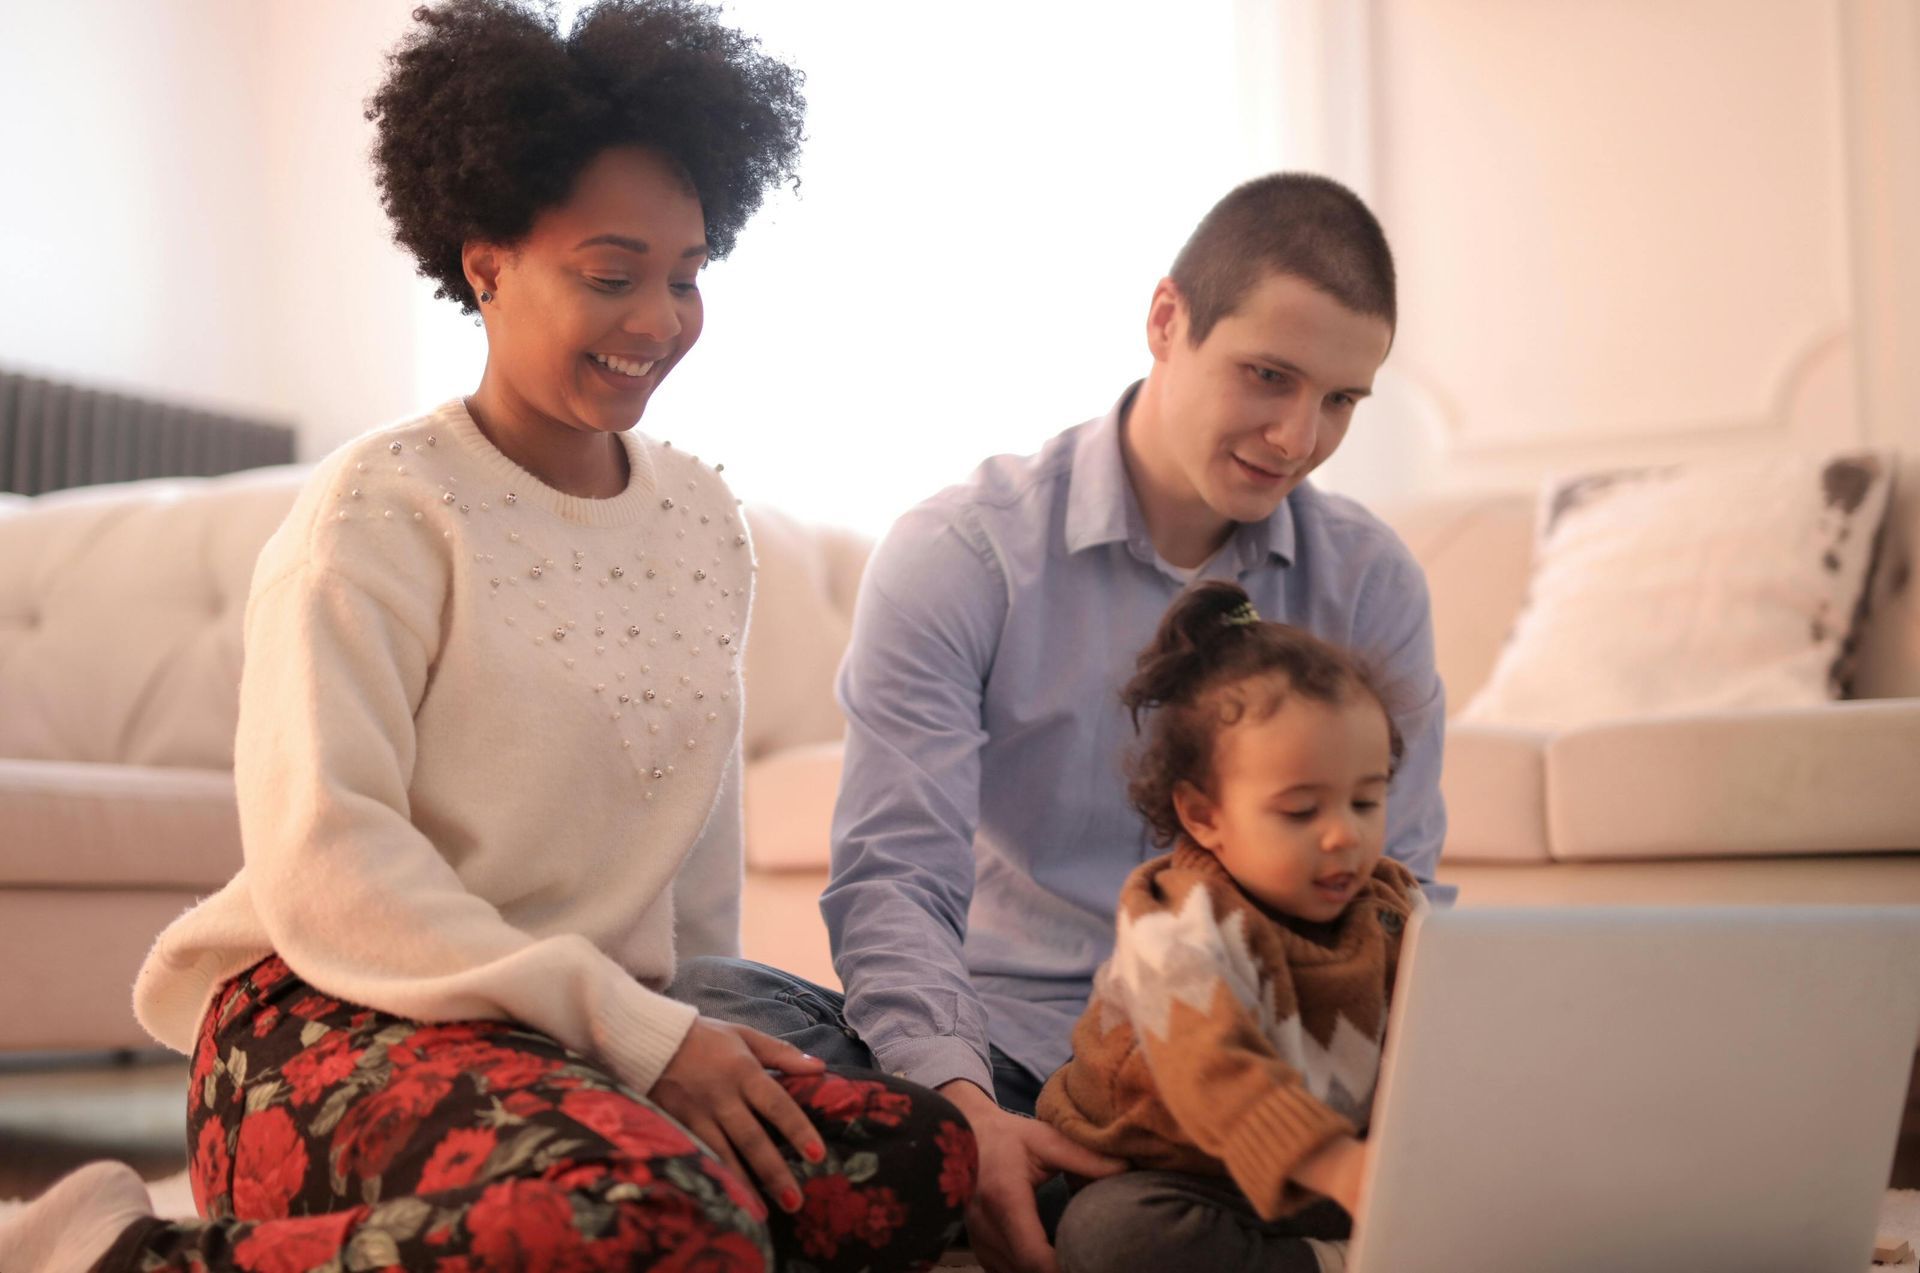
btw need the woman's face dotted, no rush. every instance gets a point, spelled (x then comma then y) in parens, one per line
(601, 300)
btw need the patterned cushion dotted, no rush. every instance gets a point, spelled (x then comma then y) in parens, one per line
(1705, 588)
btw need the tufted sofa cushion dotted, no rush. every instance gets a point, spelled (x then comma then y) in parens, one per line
(120, 616)
(802, 619)
(89, 826)
(120, 613)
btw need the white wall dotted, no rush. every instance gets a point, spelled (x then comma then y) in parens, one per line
(187, 209)
(344, 326)
(133, 232)
(1627, 232)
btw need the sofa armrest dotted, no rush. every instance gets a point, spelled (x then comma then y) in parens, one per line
(1836, 778)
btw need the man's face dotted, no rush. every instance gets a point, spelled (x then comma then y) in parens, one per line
(1267, 396)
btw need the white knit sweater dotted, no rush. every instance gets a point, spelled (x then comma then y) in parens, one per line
(488, 755)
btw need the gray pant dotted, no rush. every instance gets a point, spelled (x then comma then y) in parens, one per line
(1171, 1220)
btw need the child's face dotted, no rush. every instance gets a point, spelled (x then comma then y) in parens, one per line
(1299, 814)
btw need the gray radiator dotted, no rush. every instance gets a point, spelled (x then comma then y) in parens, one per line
(55, 435)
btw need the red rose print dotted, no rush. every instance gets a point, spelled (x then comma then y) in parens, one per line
(959, 1159)
(831, 1209)
(525, 1224)
(446, 1045)
(265, 1022)
(729, 1251)
(204, 1056)
(269, 1165)
(630, 1126)
(671, 1232)
(885, 1213)
(517, 1069)
(737, 1190)
(525, 1104)
(296, 1246)
(310, 1073)
(313, 1007)
(848, 1100)
(427, 1049)
(583, 1177)
(269, 972)
(457, 1159)
(210, 1163)
(380, 1124)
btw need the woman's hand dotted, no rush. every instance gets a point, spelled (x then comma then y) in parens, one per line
(718, 1086)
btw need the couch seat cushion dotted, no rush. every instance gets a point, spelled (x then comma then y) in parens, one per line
(80, 825)
(1836, 778)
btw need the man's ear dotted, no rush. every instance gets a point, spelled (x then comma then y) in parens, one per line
(1198, 814)
(1167, 319)
(481, 263)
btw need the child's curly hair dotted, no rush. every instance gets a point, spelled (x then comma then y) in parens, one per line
(488, 115)
(1210, 644)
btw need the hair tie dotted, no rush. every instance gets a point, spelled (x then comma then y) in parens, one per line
(1244, 613)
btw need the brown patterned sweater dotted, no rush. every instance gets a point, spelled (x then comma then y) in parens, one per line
(1221, 1042)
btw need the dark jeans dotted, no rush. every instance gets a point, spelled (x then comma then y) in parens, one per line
(814, 1019)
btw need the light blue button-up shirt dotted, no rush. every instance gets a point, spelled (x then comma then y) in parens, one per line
(983, 830)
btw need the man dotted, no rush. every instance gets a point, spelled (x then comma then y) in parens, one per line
(982, 831)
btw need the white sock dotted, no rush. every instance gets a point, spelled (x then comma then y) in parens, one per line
(70, 1226)
(1332, 1255)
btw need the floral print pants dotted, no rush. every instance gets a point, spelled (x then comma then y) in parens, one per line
(328, 1136)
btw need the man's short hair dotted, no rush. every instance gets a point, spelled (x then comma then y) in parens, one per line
(1293, 223)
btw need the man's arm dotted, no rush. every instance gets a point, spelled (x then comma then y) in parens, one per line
(1393, 632)
(925, 630)
(925, 633)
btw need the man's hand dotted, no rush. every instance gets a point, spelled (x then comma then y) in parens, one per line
(1337, 1170)
(1016, 1154)
(717, 1085)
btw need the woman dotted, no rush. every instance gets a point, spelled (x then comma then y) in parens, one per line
(488, 755)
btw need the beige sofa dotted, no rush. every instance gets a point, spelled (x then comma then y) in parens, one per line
(120, 613)
(119, 662)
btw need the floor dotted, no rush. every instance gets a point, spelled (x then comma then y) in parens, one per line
(59, 1111)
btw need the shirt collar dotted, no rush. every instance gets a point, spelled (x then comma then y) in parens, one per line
(1101, 506)
(1103, 509)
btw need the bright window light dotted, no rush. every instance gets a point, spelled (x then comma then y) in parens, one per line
(988, 194)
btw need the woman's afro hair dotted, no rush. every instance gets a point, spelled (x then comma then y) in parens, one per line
(488, 115)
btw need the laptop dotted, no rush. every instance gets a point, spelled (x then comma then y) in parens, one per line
(1678, 1089)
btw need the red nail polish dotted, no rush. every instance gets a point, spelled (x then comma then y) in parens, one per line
(790, 1200)
(816, 1153)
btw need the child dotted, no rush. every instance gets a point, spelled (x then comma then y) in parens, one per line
(1231, 1046)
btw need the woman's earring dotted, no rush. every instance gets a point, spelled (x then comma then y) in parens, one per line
(485, 297)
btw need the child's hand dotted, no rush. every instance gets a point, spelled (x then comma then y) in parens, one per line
(717, 1086)
(1337, 1170)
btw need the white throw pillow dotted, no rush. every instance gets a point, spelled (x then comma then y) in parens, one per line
(1702, 588)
